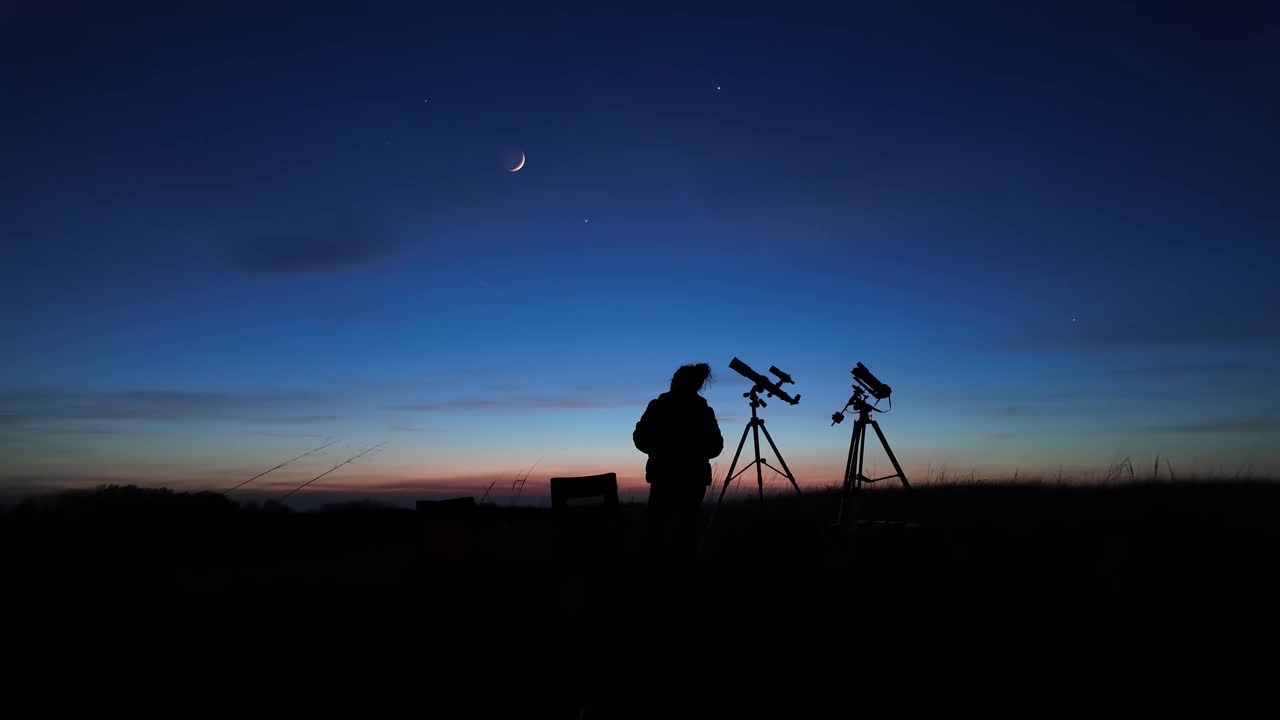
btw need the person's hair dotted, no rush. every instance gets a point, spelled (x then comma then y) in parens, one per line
(690, 378)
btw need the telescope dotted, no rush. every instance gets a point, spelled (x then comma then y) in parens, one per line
(870, 383)
(763, 383)
(866, 383)
(755, 425)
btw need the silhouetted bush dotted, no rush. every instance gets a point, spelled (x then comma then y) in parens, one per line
(130, 499)
(266, 506)
(365, 505)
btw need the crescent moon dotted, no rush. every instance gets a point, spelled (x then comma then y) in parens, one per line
(518, 166)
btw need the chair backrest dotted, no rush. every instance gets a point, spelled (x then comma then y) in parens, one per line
(587, 529)
(588, 490)
(451, 506)
(447, 529)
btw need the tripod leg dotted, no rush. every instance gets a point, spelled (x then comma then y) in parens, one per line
(781, 460)
(848, 474)
(848, 464)
(889, 451)
(862, 455)
(727, 478)
(755, 435)
(734, 464)
(856, 498)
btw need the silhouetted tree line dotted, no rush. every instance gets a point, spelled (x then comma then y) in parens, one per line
(131, 499)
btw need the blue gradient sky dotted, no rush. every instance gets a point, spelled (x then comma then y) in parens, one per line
(233, 232)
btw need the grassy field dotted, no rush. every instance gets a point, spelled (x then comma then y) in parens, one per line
(973, 600)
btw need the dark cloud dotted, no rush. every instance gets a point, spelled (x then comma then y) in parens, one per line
(282, 256)
(1261, 423)
(412, 429)
(78, 431)
(1193, 329)
(1012, 411)
(307, 419)
(1183, 369)
(275, 434)
(521, 402)
(21, 433)
(337, 246)
(27, 407)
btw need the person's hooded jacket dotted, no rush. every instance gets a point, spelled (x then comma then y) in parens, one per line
(679, 433)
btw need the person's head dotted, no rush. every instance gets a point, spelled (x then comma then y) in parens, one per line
(690, 378)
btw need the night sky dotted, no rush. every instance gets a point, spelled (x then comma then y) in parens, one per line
(234, 231)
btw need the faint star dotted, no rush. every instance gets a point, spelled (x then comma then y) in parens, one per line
(717, 87)
(1073, 319)
(585, 220)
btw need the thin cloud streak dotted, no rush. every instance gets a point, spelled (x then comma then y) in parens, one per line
(413, 429)
(521, 402)
(1174, 330)
(1264, 423)
(36, 406)
(1183, 369)
(324, 247)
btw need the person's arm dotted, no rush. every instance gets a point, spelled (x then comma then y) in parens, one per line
(643, 434)
(715, 441)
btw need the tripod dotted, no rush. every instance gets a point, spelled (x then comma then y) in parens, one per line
(853, 475)
(755, 425)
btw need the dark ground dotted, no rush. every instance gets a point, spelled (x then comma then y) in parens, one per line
(1024, 601)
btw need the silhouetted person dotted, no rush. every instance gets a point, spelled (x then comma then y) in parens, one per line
(679, 433)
